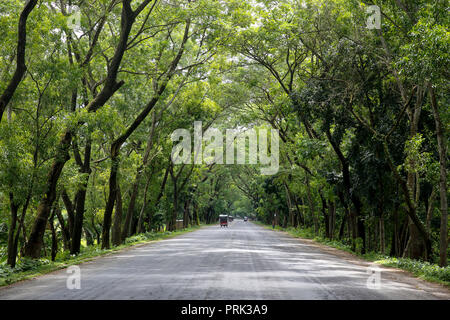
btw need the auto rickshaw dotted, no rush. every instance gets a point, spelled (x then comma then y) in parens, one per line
(223, 219)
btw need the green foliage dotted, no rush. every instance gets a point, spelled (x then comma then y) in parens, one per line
(417, 161)
(419, 268)
(148, 236)
(310, 69)
(7, 274)
(358, 245)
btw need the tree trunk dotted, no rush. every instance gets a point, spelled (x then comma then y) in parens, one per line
(21, 67)
(54, 250)
(35, 241)
(97, 233)
(89, 238)
(145, 203)
(21, 227)
(347, 217)
(326, 219)
(332, 217)
(116, 236)
(173, 219)
(404, 236)
(126, 230)
(358, 223)
(416, 247)
(342, 227)
(395, 237)
(70, 213)
(12, 251)
(441, 139)
(411, 208)
(300, 218)
(354, 228)
(186, 214)
(111, 200)
(382, 235)
(289, 205)
(312, 208)
(195, 214)
(64, 230)
(80, 198)
(430, 209)
(117, 144)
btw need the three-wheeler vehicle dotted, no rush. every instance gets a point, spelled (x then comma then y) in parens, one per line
(223, 219)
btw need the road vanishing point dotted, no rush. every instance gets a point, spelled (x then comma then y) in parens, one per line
(243, 261)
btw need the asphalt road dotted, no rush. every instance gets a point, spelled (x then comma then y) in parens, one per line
(243, 261)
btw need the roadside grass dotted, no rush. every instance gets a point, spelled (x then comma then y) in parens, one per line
(29, 268)
(424, 270)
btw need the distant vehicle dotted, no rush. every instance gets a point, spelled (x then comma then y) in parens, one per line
(245, 218)
(223, 219)
(230, 218)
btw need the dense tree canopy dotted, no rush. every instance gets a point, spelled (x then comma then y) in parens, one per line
(88, 106)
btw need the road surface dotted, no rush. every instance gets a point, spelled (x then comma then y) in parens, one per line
(243, 261)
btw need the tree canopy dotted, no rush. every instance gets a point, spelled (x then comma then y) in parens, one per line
(91, 91)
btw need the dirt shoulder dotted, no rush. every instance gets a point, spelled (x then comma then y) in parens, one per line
(391, 273)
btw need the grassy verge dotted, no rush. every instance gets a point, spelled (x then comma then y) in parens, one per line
(27, 268)
(424, 270)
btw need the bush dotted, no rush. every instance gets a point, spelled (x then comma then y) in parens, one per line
(425, 269)
(358, 245)
(5, 270)
(63, 255)
(8, 274)
(26, 264)
(307, 233)
(3, 253)
(146, 236)
(136, 238)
